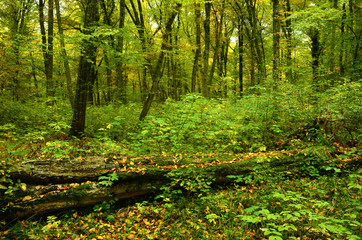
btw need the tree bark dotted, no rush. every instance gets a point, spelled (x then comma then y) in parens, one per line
(288, 35)
(121, 80)
(138, 19)
(47, 45)
(86, 72)
(218, 34)
(205, 77)
(157, 73)
(56, 185)
(341, 54)
(50, 85)
(64, 55)
(256, 44)
(276, 46)
(241, 53)
(18, 18)
(315, 51)
(195, 68)
(108, 10)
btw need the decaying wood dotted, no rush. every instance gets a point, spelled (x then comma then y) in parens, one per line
(55, 185)
(62, 171)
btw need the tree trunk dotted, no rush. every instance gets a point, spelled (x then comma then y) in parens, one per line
(341, 54)
(86, 72)
(47, 44)
(43, 38)
(64, 55)
(121, 80)
(50, 85)
(157, 73)
(205, 78)
(256, 43)
(288, 36)
(218, 34)
(108, 9)
(138, 20)
(195, 68)
(241, 53)
(276, 47)
(56, 185)
(314, 36)
(18, 22)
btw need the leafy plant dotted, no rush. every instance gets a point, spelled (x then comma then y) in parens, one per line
(108, 180)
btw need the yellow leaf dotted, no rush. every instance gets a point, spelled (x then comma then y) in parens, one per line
(26, 198)
(23, 187)
(57, 144)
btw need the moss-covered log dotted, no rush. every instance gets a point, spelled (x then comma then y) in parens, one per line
(59, 185)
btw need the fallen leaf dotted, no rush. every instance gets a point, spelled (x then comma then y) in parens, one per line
(26, 198)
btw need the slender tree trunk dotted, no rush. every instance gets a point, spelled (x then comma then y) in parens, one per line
(175, 66)
(252, 63)
(86, 72)
(108, 10)
(16, 82)
(205, 78)
(223, 58)
(198, 47)
(315, 54)
(50, 86)
(216, 54)
(276, 47)
(121, 80)
(256, 43)
(341, 53)
(43, 38)
(47, 45)
(288, 36)
(33, 71)
(18, 25)
(157, 73)
(138, 20)
(241, 53)
(64, 55)
(218, 34)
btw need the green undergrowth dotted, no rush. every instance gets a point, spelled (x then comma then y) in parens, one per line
(257, 122)
(324, 207)
(316, 126)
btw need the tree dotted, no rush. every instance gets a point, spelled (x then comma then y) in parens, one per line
(288, 33)
(16, 16)
(47, 44)
(87, 64)
(108, 7)
(137, 17)
(196, 63)
(253, 27)
(219, 22)
(276, 47)
(157, 73)
(240, 12)
(205, 76)
(64, 55)
(121, 80)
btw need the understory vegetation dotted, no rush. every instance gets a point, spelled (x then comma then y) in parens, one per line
(320, 201)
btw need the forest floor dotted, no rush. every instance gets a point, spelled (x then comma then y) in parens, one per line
(322, 202)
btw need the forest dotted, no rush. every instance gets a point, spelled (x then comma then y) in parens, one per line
(180, 119)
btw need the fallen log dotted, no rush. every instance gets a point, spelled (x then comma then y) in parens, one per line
(54, 185)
